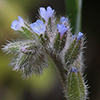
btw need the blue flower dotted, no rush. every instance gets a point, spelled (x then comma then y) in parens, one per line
(38, 27)
(80, 35)
(46, 14)
(73, 69)
(16, 25)
(62, 29)
(64, 20)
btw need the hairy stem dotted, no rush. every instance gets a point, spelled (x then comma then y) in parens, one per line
(60, 68)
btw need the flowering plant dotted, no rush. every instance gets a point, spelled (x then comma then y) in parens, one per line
(48, 39)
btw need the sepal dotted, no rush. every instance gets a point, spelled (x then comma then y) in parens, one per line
(27, 33)
(59, 42)
(76, 87)
(72, 53)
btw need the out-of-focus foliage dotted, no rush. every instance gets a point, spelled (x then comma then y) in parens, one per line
(74, 8)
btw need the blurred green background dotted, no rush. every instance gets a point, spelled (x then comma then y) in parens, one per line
(47, 86)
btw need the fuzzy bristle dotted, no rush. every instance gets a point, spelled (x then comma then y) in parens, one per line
(49, 38)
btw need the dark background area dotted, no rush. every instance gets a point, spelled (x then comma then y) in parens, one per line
(91, 27)
(48, 87)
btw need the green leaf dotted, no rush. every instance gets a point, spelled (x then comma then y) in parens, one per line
(73, 9)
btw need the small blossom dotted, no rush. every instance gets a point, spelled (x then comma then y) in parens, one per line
(80, 35)
(38, 27)
(73, 69)
(64, 20)
(23, 49)
(16, 25)
(62, 29)
(46, 14)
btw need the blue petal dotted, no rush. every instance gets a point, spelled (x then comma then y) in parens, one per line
(40, 23)
(46, 14)
(34, 27)
(42, 11)
(50, 11)
(63, 20)
(15, 24)
(61, 29)
(80, 35)
(42, 30)
(43, 14)
(20, 19)
(73, 69)
(38, 27)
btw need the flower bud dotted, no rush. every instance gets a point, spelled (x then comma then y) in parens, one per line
(76, 87)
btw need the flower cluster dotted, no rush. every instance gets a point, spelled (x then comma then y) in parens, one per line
(48, 35)
(48, 38)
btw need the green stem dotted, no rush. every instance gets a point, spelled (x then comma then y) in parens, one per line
(59, 67)
(73, 10)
